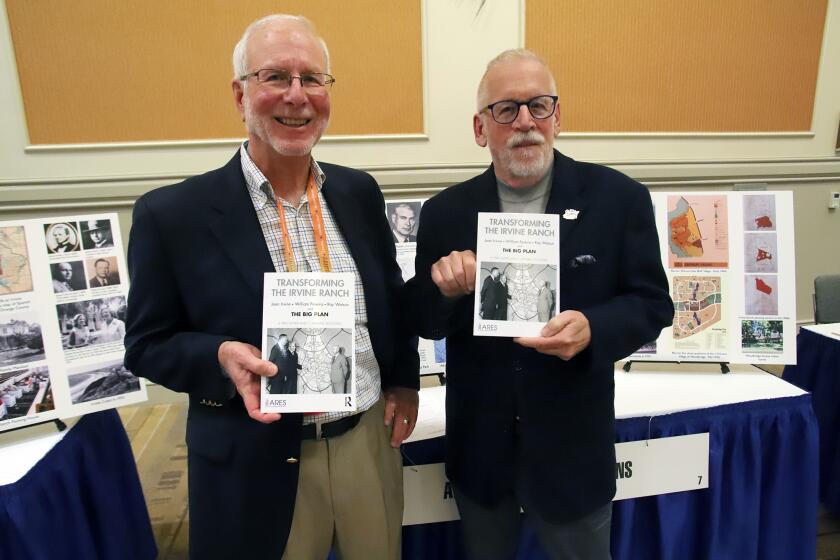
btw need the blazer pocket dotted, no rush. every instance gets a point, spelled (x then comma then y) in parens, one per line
(207, 437)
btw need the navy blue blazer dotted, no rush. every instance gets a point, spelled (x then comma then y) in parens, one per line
(197, 256)
(565, 411)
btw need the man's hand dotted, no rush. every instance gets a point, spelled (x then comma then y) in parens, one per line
(564, 336)
(401, 410)
(243, 364)
(454, 274)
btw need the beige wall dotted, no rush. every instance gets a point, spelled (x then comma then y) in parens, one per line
(457, 44)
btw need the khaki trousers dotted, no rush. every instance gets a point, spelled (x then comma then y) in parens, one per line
(349, 495)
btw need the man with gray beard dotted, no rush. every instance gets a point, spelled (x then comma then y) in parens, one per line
(530, 421)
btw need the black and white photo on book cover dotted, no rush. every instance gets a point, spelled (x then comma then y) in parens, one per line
(517, 273)
(308, 333)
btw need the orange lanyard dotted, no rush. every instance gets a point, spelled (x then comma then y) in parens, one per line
(318, 229)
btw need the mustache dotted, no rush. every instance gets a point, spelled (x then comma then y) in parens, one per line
(531, 137)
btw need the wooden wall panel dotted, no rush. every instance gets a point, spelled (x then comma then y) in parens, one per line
(105, 71)
(681, 65)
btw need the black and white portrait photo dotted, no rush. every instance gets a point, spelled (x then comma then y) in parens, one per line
(98, 382)
(404, 218)
(96, 321)
(96, 234)
(68, 276)
(62, 237)
(310, 361)
(517, 292)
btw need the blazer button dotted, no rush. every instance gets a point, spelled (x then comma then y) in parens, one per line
(292, 460)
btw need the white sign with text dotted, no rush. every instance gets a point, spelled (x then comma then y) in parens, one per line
(643, 468)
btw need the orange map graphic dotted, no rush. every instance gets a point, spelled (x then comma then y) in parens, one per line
(685, 233)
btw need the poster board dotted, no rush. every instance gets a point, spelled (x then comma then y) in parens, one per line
(729, 259)
(63, 288)
(404, 219)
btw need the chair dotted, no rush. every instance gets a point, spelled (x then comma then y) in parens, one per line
(827, 299)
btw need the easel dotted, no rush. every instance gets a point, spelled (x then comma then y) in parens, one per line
(724, 366)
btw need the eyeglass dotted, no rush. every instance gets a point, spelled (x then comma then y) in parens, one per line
(282, 79)
(506, 111)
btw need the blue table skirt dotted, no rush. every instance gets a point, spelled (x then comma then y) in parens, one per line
(81, 501)
(761, 502)
(818, 371)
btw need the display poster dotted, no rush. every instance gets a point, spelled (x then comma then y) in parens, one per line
(309, 326)
(404, 219)
(517, 273)
(63, 288)
(729, 257)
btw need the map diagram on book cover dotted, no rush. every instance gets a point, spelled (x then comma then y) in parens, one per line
(698, 232)
(697, 304)
(15, 276)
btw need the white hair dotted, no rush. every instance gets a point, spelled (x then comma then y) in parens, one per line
(521, 54)
(240, 63)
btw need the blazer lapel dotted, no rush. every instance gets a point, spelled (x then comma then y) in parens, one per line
(236, 227)
(345, 211)
(566, 198)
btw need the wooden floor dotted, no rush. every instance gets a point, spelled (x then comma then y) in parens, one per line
(157, 439)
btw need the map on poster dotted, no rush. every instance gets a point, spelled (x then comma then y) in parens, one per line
(698, 231)
(404, 219)
(729, 257)
(63, 287)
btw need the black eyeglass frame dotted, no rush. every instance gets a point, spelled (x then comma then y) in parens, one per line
(520, 103)
(329, 79)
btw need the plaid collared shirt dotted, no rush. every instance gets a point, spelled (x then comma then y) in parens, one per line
(299, 224)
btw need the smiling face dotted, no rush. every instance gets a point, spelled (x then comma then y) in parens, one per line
(283, 123)
(522, 150)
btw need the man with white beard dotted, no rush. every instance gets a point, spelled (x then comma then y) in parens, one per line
(530, 421)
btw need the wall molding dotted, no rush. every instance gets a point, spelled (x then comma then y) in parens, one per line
(210, 143)
(795, 170)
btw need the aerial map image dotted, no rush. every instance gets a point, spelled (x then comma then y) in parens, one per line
(698, 232)
(15, 276)
(697, 304)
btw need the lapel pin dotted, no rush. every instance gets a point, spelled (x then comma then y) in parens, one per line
(570, 214)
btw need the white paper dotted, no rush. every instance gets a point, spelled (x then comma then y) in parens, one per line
(643, 468)
(309, 333)
(729, 257)
(404, 219)
(63, 288)
(661, 466)
(517, 273)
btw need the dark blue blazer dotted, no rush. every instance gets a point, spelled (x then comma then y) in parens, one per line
(197, 256)
(565, 426)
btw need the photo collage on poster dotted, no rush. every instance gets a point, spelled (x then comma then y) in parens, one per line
(63, 288)
(404, 220)
(731, 276)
